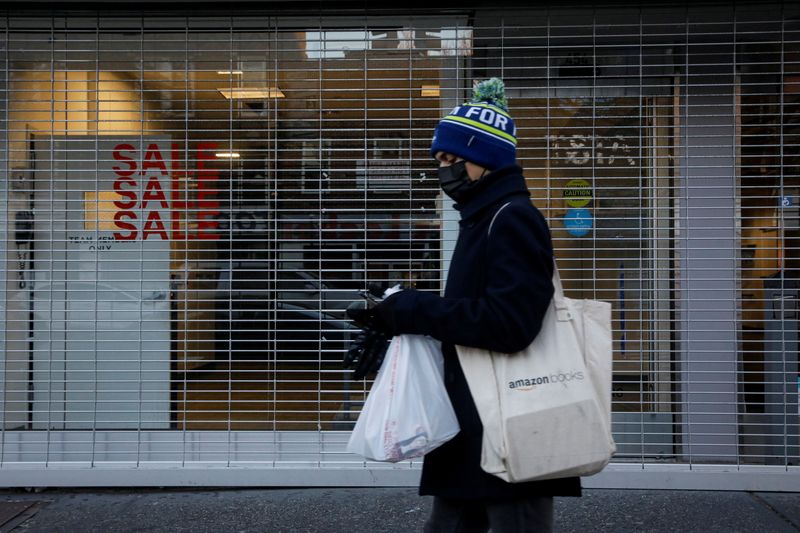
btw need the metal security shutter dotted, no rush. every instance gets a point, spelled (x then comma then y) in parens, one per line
(190, 201)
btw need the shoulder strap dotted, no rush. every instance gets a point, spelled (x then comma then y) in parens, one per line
(495, 216)
(558, 296)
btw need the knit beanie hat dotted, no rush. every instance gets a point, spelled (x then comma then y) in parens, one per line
(480, 131)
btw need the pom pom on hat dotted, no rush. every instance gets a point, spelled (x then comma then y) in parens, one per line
(492, 91)
(481, 130)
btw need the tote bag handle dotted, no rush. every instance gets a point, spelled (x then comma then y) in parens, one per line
(558, 294)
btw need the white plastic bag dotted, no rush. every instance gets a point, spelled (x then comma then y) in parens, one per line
(407, 413)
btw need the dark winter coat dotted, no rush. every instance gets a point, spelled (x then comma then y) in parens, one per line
(498, 289)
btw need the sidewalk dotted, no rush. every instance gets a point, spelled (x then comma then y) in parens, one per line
(389, 510)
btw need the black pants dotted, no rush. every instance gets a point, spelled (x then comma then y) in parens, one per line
(530, 515)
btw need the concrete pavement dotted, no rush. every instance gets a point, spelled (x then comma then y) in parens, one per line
(390, 510)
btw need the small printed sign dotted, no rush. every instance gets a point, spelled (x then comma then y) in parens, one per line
(578, 193)
(787, 201)
(578, 222)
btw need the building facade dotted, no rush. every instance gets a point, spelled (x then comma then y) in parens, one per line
(190, 198)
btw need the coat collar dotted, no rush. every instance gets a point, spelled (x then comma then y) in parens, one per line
(503, 182)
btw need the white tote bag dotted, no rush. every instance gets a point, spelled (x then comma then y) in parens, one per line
(408, 412)
(546, 411)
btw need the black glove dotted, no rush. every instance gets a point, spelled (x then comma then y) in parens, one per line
(369, 313)
(366, 353)
(367, 317)
(368, 349)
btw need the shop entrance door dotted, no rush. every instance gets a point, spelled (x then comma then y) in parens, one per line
(101, 334)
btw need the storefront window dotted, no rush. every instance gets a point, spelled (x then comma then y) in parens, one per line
(203, 206)
(237, 189)
(770, 264)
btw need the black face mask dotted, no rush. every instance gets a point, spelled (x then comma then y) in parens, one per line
(454, 181)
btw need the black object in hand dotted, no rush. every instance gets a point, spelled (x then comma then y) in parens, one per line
(368, 349)
(366, 353)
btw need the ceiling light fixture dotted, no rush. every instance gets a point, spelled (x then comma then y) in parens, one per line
(251, 93)
(430, 90)
(227, 155)
(230, 72)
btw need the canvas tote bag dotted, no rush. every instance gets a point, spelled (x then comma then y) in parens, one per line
(546, 411)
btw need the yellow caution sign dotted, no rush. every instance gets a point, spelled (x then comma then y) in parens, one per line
(578, 193)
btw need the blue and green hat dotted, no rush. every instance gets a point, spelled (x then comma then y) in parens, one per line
(480, 131)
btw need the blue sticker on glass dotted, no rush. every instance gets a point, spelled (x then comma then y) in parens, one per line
(578, 222)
